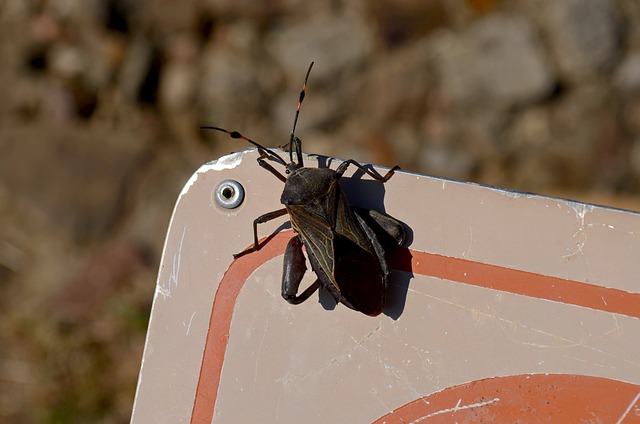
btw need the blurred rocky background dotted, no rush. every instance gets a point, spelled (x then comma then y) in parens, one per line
(101, 100)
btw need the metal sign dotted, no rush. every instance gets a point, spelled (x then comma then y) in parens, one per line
(502, 306)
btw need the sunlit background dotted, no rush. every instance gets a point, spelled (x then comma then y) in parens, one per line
(101, 103)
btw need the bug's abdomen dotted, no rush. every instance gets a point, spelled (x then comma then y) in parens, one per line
(359, 277)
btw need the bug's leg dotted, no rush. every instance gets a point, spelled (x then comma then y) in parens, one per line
(260, 220)
(372, 173)
(293, 271)
(268, 167)
(389, 231)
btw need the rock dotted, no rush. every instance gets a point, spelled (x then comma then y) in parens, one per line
(581, 140)
(531, 128)
(64, 179)
(137, 60)
(246, 8)
(584, 35)
(634, 156)
(334, 42)
(627, 76)
(498, 61)
(397, 86)
(400, 22)
(235, 83)
(445, 162)
(177, 81)
(103, 275)
(338, 44)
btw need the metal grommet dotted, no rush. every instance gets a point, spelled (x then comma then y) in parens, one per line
(229, 194)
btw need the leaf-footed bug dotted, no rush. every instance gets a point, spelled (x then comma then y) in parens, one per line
(345, 245)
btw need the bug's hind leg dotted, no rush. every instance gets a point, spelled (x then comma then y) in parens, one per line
(389, 231)
(371, 172)
(293, 272)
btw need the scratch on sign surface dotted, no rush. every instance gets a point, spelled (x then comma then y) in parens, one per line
(264, 335)
(626, 412)
(580, 236)
(188, 325)
(165, 290)
(456, 409)
(387, 367)
(565, 342)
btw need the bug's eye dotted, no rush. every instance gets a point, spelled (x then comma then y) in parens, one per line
(287, 172)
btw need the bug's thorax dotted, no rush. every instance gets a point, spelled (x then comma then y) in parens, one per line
(307, 186)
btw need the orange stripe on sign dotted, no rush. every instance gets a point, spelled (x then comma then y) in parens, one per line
(420, 263)
(220, 322)
(517, 282)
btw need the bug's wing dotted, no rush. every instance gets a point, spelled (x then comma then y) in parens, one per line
(317, 237)
(317, 219)
(346, 225)
(351, 273)
(360, 267)
(342, 254)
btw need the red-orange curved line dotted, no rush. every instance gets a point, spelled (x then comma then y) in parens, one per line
(422, 263)
(551, 398)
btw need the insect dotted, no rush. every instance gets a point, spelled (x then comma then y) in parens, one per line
(345, 245)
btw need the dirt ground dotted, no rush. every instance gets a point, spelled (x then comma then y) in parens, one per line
(101, 104)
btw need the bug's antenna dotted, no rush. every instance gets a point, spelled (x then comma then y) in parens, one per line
(263, 150)
(292, 139)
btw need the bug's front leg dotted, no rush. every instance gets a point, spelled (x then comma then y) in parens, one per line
(293, 272)
(260, 220)
(268, 167)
